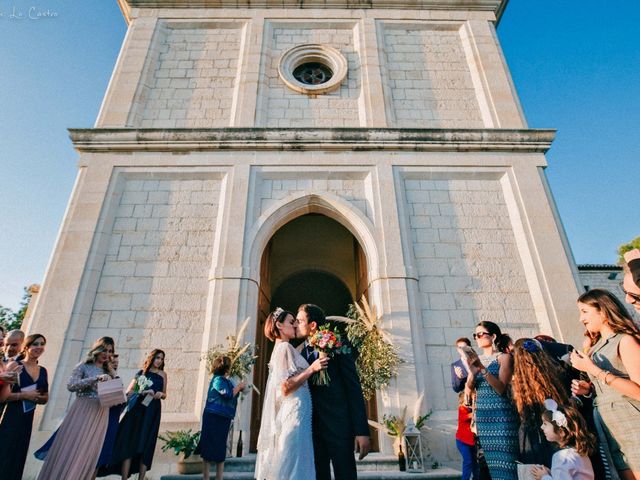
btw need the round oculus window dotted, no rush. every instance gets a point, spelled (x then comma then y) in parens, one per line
(312, 73)
(312, 69)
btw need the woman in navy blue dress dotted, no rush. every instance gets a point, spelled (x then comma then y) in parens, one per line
(17, 414)
(138, 430)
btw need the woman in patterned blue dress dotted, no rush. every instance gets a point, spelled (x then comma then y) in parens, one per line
(496, 418)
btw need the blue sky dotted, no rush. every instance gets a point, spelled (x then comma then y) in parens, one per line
(575, 64)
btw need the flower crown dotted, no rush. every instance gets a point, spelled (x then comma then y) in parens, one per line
(557, 416)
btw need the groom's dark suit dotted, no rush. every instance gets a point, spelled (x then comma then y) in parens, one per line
(338, 417)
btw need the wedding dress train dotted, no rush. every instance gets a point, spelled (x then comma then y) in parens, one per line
(285, 445)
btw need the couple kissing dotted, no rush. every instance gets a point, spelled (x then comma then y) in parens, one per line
(305, 428)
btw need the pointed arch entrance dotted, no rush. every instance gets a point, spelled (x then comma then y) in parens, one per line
(311, 259)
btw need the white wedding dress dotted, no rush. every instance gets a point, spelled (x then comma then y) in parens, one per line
(285, 445)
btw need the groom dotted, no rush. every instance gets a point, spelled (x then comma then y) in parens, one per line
(339, 414)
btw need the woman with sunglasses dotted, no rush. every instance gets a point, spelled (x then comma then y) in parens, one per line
(16, 416)
(613, 365)
(496, 418)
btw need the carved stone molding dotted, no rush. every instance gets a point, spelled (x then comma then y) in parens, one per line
(131, 139)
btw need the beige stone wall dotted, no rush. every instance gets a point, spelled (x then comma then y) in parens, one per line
(426, 76)
(468, 264)
(191, 75)
(203, 68)
(282, 107)
(153, 286)
(274, 185)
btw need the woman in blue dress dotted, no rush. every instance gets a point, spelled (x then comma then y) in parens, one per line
(16, 415)
(138, 430)
(219, 411)
(496, 418)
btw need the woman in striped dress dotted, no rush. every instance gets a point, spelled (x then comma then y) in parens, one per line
(496, 418)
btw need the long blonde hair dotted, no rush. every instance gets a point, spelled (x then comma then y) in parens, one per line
(98, 347)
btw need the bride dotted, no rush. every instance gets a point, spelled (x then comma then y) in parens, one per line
(285, 446)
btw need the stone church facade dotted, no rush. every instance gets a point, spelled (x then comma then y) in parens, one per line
(253, 153)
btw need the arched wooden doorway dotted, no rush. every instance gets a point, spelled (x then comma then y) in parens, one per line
(311, 259)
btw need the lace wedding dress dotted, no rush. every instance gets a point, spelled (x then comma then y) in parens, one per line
(285, 445)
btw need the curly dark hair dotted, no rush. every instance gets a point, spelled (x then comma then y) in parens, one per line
(575, 433)
(536, 377)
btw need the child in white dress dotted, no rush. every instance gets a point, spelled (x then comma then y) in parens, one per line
(566, 427)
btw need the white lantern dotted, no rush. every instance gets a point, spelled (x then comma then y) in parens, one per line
(413, 448)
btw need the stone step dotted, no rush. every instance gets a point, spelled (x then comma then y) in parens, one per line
(373, 462)
(438, 474)
(373, 467)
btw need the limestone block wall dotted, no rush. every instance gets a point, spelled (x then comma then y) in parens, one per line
(190, 76)
(426, 76)
(153, 285)
(468, 265)
(274, 184)
(279, 106)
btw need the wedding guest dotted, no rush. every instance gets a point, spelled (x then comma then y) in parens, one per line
(219, 411)
(496, 418)
(613, 365)
(8, 376)
(138, 431)
(75, 450)
(536, 377)
(16, 417)
(631, 282)
(466, 442)
(110, 436)
(459, 370)
(13, 345)
(112, 425)
(565, 427)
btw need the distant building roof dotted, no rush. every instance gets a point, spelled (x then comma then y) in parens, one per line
(599, 266)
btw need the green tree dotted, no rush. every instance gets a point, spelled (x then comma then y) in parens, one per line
(626, 247)
(12, 320)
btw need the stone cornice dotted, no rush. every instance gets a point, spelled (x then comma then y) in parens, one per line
(495, 6)
(335, 139)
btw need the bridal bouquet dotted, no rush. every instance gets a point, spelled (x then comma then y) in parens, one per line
(143, 383)
(327, 343)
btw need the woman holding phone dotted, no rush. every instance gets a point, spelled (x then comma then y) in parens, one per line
(496, 418)
(613, 365)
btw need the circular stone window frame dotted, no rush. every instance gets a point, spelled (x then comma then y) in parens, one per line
(324, 54)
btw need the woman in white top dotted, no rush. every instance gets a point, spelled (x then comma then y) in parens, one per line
(566, 427)
(285, 445)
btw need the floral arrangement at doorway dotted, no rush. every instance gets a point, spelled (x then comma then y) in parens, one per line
(243, 355)
(395, 425)
(378, 359)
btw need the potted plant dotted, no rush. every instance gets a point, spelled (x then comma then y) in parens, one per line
(183, 443)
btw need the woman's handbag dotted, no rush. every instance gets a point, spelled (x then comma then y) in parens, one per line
(111, 392)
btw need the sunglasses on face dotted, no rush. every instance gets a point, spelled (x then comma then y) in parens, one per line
(480, 335)
(634, 296)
